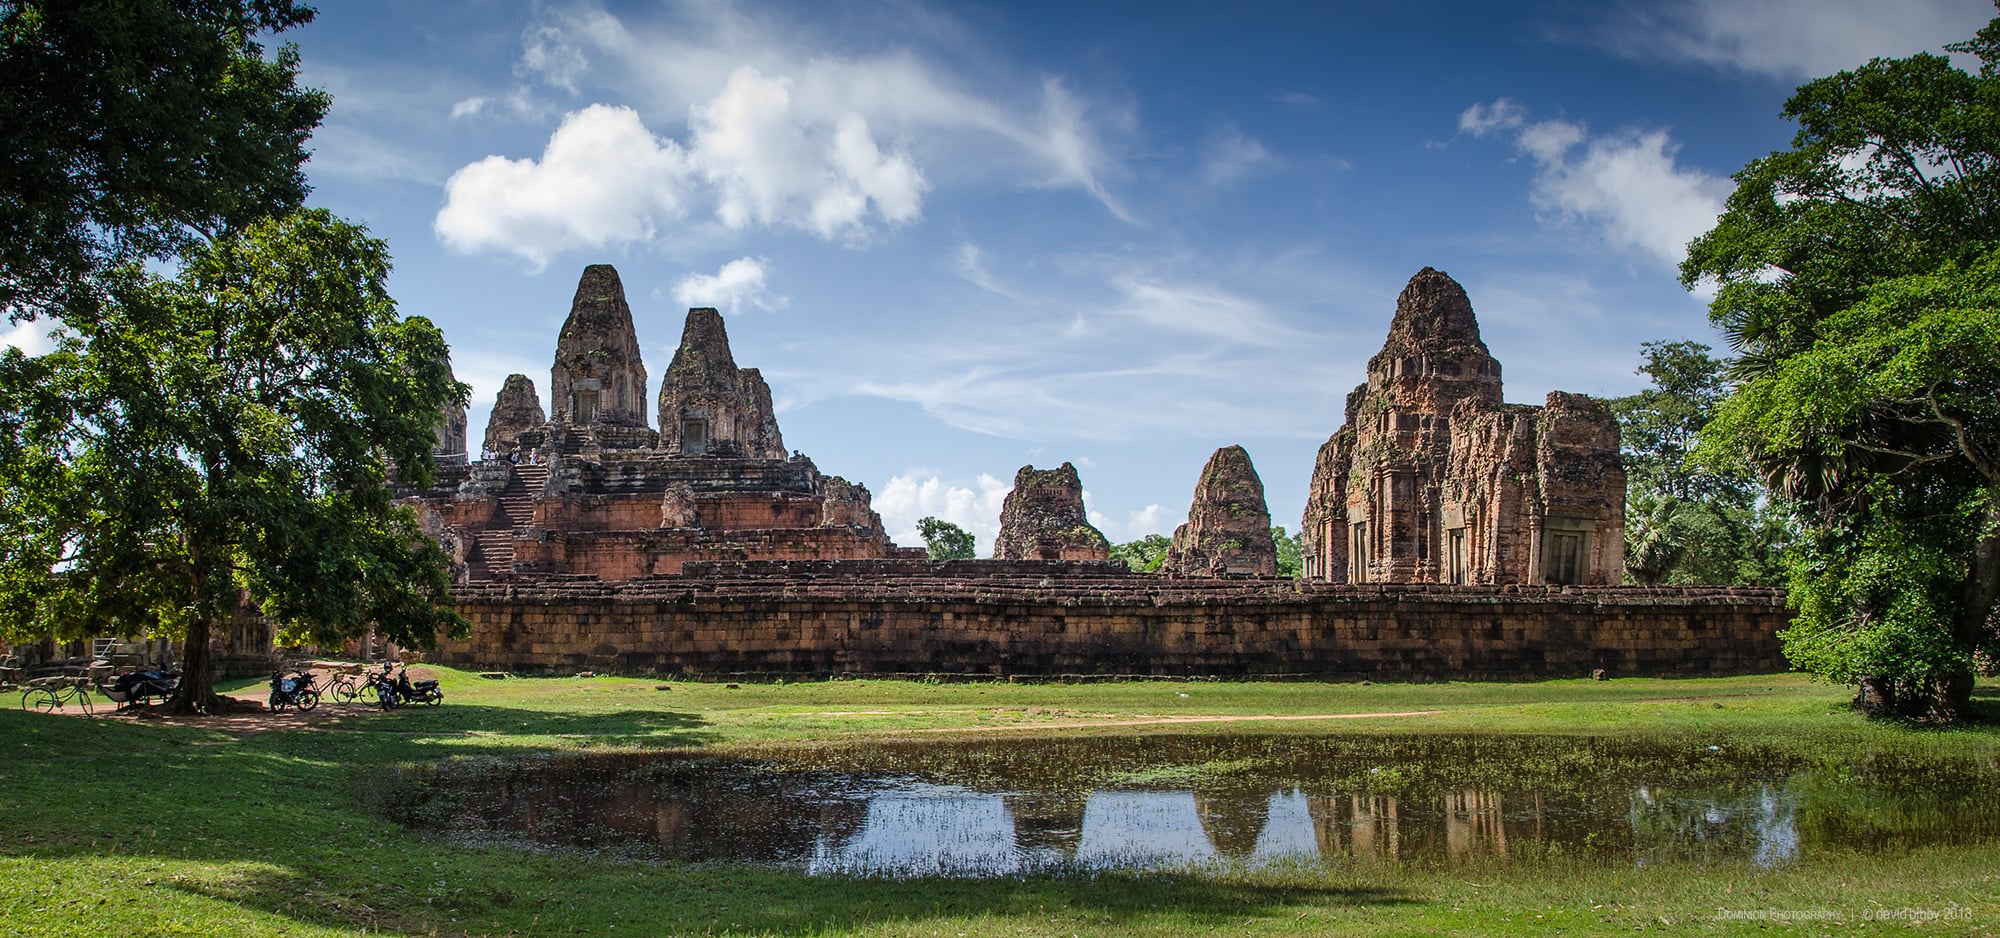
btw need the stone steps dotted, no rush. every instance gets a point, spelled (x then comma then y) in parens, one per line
(494, 555)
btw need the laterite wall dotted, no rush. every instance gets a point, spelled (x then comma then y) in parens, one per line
(1035, 618)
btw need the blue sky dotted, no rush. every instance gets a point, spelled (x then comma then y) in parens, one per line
(960, 238)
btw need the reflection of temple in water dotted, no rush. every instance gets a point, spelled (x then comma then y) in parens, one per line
(639, 805)
(1474, 825)
(1233, 822)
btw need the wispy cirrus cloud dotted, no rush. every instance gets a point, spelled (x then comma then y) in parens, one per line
(1788, 39)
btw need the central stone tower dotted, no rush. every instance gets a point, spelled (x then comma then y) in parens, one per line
(598, 376)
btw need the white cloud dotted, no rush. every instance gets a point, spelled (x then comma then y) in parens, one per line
(603, 180)
(969, 262)
(1232, 156)
(1300, 101)
(906, 499)
(31, 338)
(548, 56)
(1152, 519)
(773, 166)
(1792, 39)
(1198, 309)
(1627, 186)
(1481, 119)
(738, 285)
(790, 134)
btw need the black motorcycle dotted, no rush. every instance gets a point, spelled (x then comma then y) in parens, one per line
(381, 688)
(293, 690)
(138, 687)
(415, 692)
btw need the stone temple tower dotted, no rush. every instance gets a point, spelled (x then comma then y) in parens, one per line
(598, 376)
(1435, 479)
(710, 407)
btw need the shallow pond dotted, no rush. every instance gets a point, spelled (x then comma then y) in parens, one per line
(995, 808)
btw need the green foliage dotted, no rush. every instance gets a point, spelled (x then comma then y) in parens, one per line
(1144, 555)
(1687, 523)
(229, 429)
(226, 431)
(135, 128)
(1659, 426)
(1291, 552)
(946, 541)
(1859, 275)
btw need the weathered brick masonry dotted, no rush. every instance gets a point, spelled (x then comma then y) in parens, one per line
(1038, 618)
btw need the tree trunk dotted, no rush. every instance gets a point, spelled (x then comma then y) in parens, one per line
(1875, 697)
(196, 693)
(1952, 694)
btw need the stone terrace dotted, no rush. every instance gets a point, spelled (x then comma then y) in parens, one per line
(1009, 618)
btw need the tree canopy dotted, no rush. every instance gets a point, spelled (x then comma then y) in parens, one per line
(1291, 552)
(946, 541)
(133, 128)
(1858, 276)
(1145, 555)
(1688, 523)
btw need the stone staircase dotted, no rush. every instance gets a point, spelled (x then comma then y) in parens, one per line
(494, 555)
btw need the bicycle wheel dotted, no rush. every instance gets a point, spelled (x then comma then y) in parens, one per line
(46, 701)
(28, 695)
(83, 697)
(308, 699)
(368, 694)
(343, 690)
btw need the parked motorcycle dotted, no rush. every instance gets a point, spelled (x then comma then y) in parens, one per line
(425, 692)
(380, 688)
(138, 687)
(293, 690)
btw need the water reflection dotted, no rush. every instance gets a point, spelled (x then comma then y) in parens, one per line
(999, 821)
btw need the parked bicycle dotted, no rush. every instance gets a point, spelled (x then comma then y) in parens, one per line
(342, 687)
(338, 686)
(51, 694)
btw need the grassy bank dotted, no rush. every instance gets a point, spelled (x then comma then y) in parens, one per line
(117, 827)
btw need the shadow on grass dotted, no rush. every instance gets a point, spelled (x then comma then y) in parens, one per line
(474, 893)
(652, 728)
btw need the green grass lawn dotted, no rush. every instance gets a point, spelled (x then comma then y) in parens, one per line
(128, 828)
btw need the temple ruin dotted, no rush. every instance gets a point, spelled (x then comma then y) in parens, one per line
(1228, 530)
(1043, 519)
(593, 490)
(1435, 479)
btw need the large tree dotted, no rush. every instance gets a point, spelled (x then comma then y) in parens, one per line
(1685, 522)
(231, 380)
(1858, 274)
(225, 435)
